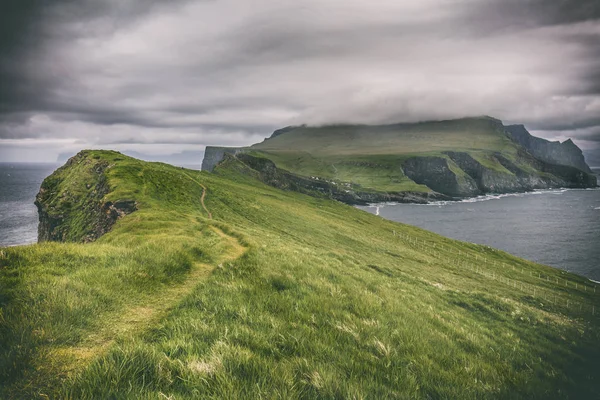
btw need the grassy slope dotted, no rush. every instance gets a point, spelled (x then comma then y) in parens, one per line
(372, 155)
(282, 295)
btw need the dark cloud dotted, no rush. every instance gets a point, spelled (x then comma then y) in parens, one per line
(525, 14)
(146, 73)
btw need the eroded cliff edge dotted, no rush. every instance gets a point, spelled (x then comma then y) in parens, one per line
(72, 202)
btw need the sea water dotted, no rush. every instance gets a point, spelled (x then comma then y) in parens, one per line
(19, 183)
(560, 228)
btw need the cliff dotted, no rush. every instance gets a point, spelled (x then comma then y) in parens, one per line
(213, 155)
(565, 153)
(72, 202)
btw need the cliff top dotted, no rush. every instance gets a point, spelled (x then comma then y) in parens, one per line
(476, 133)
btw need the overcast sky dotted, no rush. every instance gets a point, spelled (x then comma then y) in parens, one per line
(162, 77)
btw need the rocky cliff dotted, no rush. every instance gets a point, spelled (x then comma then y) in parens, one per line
(214, 155)
(72, 203)
(565, 153)
(460, 175)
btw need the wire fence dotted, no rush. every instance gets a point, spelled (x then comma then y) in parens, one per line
(532, 286)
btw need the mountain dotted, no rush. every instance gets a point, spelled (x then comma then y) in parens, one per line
(412, 162)
(160, 282)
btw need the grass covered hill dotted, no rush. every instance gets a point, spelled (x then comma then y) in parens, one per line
(417, 162)
(219, 286)
(481, 134)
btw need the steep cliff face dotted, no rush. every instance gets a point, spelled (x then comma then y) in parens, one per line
(565, 153)
(487, 180)
(214, 155)
(71, 202)
(441, 175)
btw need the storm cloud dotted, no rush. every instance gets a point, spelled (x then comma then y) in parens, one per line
(160, 77)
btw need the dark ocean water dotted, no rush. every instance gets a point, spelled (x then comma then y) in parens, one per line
(19, 183)
(560, 228)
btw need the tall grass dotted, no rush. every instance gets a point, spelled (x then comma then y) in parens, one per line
(326, 301)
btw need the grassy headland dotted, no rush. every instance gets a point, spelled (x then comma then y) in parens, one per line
(280, 295)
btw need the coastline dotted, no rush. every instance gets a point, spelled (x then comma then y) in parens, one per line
(486, 197)
(553, 227)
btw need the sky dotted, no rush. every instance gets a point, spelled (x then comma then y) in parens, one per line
(168, 77)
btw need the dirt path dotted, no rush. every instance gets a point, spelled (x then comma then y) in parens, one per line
(202, 200)
(201, 197)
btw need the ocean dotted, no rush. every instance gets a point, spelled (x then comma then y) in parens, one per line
(19, 183)
(560, 228)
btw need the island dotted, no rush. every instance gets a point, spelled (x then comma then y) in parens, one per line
(411, 162)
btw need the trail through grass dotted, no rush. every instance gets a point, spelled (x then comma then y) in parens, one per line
(140, 317)
(202, 197)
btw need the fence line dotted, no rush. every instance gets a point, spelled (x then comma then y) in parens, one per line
(536, 292)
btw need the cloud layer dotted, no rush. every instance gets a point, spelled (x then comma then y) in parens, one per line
(170, 76)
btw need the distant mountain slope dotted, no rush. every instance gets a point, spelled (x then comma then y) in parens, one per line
(410, 162)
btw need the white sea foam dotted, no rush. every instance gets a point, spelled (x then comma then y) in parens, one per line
(487, 197)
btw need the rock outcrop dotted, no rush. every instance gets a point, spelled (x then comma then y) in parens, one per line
(72, 203)
(214, 155)
(565, 153)
(437, 173)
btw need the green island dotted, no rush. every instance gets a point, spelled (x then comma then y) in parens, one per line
(416, 162)
(158, 282)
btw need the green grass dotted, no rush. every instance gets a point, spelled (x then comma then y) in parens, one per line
(282, 295)
(371, 172)
(468, 134)
(372, 156)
